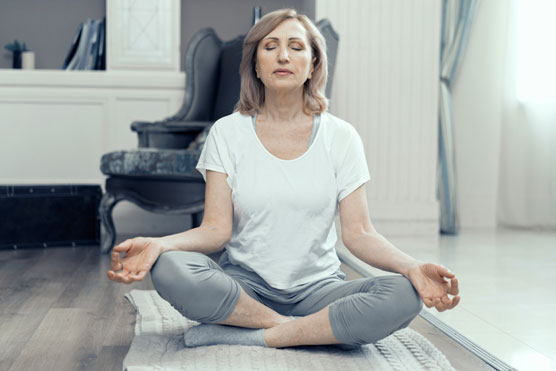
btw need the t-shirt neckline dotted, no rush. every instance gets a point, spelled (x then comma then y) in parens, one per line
(254, 117)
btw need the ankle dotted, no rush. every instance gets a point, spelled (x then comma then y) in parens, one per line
(278, 320)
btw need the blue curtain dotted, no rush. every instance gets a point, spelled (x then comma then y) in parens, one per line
(457, 18)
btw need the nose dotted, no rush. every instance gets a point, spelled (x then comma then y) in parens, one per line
(283, 56)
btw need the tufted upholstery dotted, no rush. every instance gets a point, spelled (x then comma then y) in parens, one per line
(151, 163)
(154, 163)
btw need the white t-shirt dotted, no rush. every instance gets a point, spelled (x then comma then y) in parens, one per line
(283, 218)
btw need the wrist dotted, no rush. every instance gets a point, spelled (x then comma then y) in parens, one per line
(161, 245)
(410, 267)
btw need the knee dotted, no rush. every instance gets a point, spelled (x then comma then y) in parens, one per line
(386, 304)
(194, 285)
(161, 268)
(400, 301)
(173, 269)
(406, 298)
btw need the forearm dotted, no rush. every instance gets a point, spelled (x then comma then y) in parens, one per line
(375, 250)
(203, 239)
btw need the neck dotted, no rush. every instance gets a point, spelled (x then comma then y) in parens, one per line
(283, 106)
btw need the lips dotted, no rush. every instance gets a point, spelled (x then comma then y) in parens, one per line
(282, 71)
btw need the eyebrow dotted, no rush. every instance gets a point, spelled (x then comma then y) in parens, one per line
(276, 39)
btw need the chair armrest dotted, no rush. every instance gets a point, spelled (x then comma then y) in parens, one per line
(168, 134)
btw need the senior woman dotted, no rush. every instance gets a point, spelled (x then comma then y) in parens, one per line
(277, 171)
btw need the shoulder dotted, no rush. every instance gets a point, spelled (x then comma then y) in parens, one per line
(231, 123)
(338, 128)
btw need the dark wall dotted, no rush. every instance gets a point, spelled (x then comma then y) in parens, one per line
(48, 27)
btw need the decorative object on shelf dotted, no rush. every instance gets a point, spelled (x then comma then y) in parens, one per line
(87, 50)
(256, 14)
(16, 48)
(28, 60)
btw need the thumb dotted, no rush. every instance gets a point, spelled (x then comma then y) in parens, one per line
(123, 247)
(446, 272)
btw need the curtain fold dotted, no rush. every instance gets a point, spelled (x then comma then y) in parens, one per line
(457, 19)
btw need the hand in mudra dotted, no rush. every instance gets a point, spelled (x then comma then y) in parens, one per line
(429, 281)
(140, 254)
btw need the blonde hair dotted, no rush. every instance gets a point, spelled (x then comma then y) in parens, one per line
(252, 94)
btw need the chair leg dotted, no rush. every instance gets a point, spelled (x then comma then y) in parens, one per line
(105, 209)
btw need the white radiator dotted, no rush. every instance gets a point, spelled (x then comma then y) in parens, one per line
(386, 85)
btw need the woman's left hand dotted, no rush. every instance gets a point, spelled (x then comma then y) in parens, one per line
(428, 280)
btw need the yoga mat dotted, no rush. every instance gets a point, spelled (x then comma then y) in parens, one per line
(158, 345)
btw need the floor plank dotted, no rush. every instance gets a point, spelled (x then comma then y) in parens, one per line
(28, 289)
(67, 339)
(111, 357)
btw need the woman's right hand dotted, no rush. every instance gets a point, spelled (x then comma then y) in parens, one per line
(140, 254)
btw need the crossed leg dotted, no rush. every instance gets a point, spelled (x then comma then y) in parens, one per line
(351, 313)
(282, 331)
(354, 312)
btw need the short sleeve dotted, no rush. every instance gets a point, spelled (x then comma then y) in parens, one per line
(215, 155)
(353, 170)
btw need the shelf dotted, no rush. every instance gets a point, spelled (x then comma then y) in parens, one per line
(92, 79)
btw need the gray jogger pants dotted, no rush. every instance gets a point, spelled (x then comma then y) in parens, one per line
(362, 311)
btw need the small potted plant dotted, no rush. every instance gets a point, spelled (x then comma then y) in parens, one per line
(16, 48)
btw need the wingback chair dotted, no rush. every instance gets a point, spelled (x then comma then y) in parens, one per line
(160, 174)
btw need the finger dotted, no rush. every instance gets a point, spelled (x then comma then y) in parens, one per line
(446, 300)
(428, 302)
(138, 276)
(141, 274)
(124, 277)
(455, 301)
(454, 287)
(440, 306)
(446, 272)
(115, 264)
(116, 277)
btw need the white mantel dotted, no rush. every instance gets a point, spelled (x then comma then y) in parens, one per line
(92, 79)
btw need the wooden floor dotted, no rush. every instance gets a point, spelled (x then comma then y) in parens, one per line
(59, 311)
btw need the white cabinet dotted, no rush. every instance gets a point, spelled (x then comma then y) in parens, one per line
(55, 125)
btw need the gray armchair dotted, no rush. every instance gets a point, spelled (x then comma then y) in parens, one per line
(160, 175)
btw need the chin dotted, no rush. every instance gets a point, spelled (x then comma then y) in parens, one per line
(285, 85)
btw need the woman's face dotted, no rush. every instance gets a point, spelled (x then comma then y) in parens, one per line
(284, 60)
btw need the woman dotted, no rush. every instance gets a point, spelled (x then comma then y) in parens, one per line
(277, 171)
